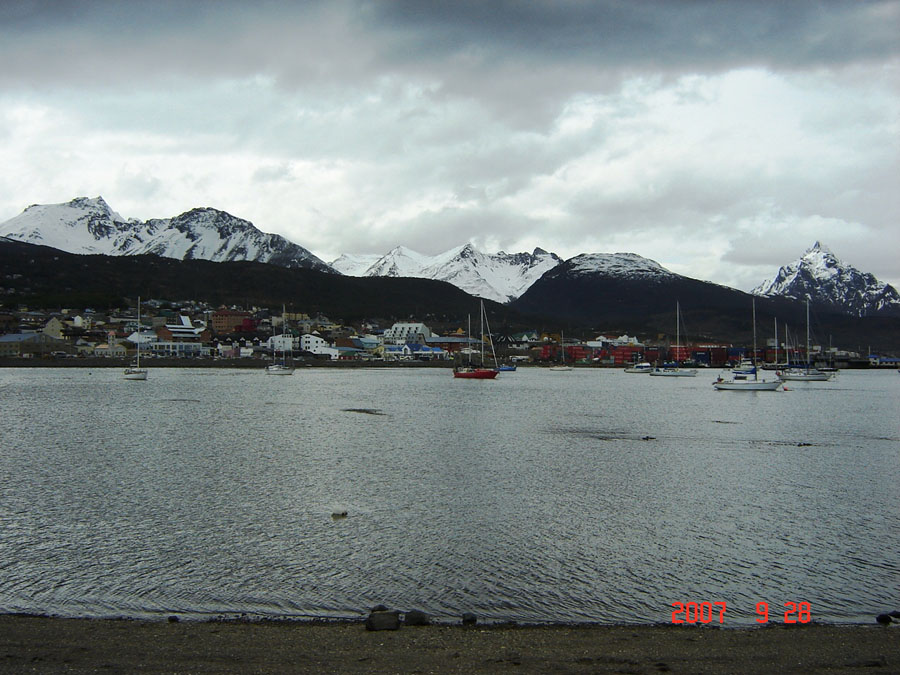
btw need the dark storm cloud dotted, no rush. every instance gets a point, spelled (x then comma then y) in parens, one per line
(307, 41)
(352, 126)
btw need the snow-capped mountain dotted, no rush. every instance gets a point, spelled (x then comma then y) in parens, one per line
(89, 226)
(616, 290)
(622, 265)
(495, 276)
(818, 276)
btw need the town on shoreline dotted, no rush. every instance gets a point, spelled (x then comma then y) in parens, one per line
(197, 335)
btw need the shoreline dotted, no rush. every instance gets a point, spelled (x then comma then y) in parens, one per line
(48, 644)
(259, 364)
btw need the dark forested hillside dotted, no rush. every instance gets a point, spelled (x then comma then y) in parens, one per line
(583, 306)
(709, 311)
(45, 277)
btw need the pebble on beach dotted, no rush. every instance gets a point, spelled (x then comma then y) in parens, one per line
(416, 617)
(388, 619)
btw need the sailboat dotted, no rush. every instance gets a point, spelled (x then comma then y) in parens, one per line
(470, 372)
(135, 372)
(743, 382)
(674, 370)
(561, 366)
(807, 374)
(282, 368)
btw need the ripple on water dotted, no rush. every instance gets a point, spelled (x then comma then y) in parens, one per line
(596, 497)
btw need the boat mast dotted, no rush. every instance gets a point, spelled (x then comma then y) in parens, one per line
(139, 333)
(469, 340)
(481, 324)
(776, 341)
(755, 376)
(677, 330)
(807, 335)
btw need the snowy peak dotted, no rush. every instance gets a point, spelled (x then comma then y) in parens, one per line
(82, 223)
(501, 276)
(624, 265)
(90, 226)
(820, 277)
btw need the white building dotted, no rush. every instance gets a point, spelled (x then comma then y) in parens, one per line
(283, 342)
(405, 333)
(316, 345)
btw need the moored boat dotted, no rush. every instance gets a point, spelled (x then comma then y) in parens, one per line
(135, 372)
(470, 372)
(673, 369)
(807, 373)
(747, 381)
(283, 367)
(473, 373)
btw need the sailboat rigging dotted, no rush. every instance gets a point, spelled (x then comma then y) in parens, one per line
(675, 370)
(742, 382)
(135, 372)
(808, 374)
(561, 366)
(469, 371)
(282, 368)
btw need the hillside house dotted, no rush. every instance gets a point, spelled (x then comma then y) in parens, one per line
(54, 328)
(184, 331)
(452, 344)
(316, 345)
(28, 344)
(225, 321)
(405, 333)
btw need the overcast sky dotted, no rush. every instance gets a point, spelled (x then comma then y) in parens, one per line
(721, 139)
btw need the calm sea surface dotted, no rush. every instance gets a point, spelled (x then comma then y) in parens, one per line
(591, 495)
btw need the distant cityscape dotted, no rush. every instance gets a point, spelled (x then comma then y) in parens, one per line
(197, 331)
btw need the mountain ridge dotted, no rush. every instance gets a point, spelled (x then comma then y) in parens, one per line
(583, 304)
(88, 225)
(501, 276)
(820, 277)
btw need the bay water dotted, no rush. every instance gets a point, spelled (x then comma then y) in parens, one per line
(583, 496)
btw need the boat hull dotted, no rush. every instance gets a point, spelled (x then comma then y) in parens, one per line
(747, 385)
(672, 372)
(135, 374)
(475, 374)
(279, 370)
(805, 377)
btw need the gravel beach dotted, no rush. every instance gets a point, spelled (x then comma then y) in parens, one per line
(40, 644)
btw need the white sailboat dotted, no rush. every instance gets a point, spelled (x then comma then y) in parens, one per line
(561, 366)
(283, 367)
(135, 372)
(675, 371)
(807, 374)
(743, 382)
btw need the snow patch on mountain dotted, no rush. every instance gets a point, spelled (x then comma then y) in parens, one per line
(494, 276)
(624, 265)
(355, 265)
(820, 277)
(90, 226)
